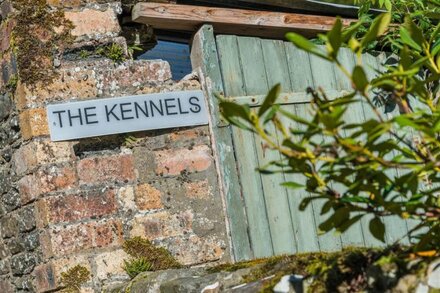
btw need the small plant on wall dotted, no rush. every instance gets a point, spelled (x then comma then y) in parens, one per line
(146, 257)
(347, 165)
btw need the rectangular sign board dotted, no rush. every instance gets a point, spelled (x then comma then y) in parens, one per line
(90, 118)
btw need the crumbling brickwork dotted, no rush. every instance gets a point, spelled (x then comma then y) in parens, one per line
(74, 202)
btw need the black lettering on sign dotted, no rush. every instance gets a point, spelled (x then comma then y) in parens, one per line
(168, 107)
(123, 111)
(71, 117)
(180, 107)
(108, 113)
(59, 117)
(138, 108)
(159, 110)
(88, 115)
(196, 107)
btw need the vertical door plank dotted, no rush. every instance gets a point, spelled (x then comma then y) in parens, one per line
(204, 56)
(275, 61)
(256, 82)
(299, 68)
(354, 236)
(324, 77)
(303, 222)
(245, 152)
(395, 227)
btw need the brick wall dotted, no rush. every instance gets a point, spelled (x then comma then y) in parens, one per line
(69, 203)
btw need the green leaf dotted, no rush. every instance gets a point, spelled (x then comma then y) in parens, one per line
(292, 185)
(407, 40)
(347, 224)
(231, 111)
(304, 44)
(414, 31)
(378, 28)
(270, 99)
(360, 78)
(334, 37)
(377, 229)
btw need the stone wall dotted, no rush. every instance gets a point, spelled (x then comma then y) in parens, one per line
(69, 203)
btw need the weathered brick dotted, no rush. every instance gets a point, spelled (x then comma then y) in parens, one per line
(94, 23)
(60, 241)
(161, 225)
(198, 189)
(68, 208)
(148, 197)
(103, 169)
(108, 264)
(46, 180)
(173, 162)
(34, 123)
(41, 152)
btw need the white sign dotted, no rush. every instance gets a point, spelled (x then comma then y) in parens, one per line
(126, 114)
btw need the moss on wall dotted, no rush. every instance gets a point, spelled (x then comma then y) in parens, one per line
(39, 35)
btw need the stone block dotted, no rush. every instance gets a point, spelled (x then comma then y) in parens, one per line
(92, 23)
(9, 226)
(118, 168)
(109, 264)
(6, 29)
(33, 123)
(26, 219)
(126, 198)
(23, 263)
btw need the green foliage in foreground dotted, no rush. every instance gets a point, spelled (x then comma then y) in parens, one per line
(358, 157)
(146, 257)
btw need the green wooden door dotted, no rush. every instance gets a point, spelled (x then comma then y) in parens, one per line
(264, 217)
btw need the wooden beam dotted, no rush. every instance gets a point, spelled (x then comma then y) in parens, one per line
(230, 21)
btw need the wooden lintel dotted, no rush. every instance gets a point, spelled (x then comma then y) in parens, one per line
(230, 21)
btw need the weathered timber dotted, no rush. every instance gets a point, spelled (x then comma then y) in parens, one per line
(230, 21)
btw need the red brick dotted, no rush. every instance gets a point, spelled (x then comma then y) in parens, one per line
(68, 208)
(46, 180)
(94, 23)
(59, 241)
(173, 162)
(148, 197)
(162, 225)
(103, 169)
